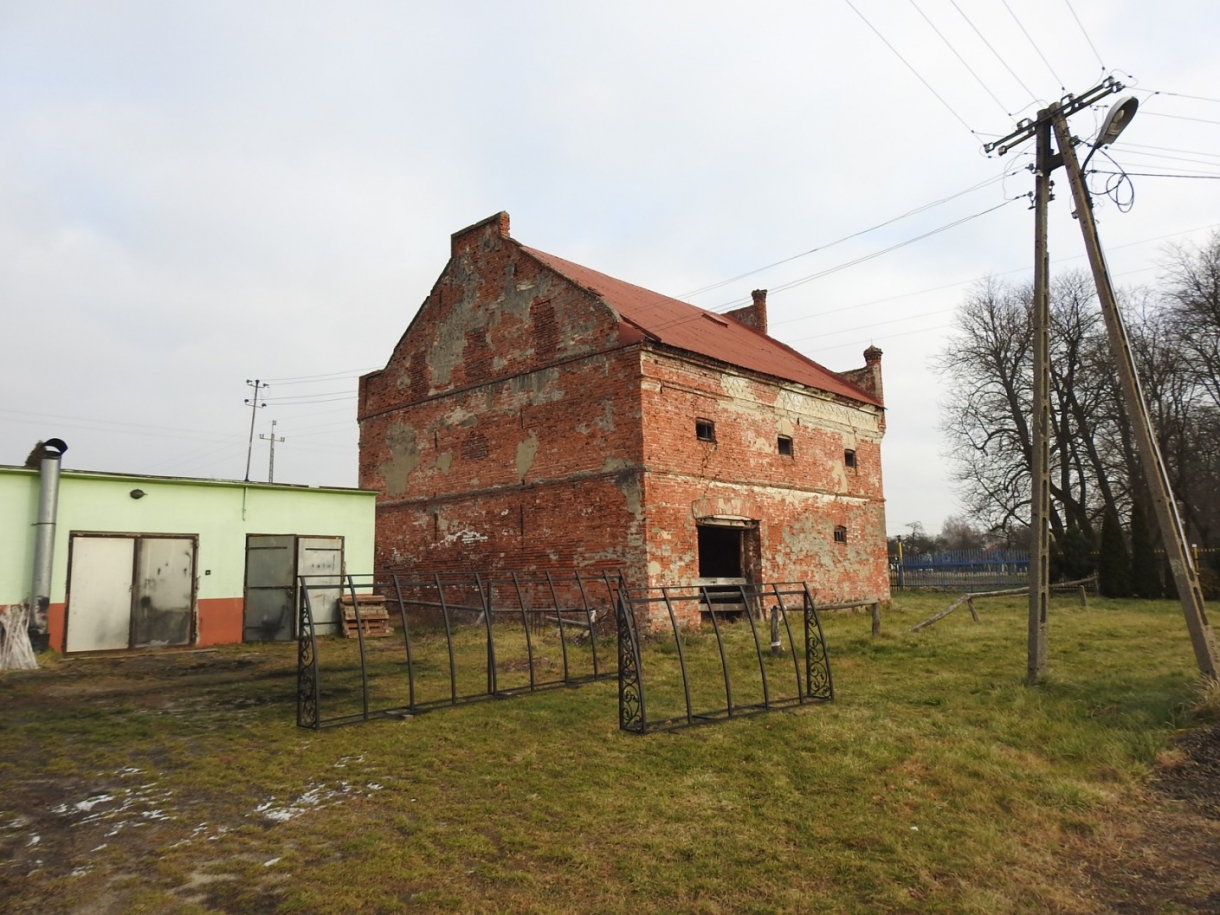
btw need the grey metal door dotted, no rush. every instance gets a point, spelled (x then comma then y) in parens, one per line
(164, 592)
(270, 604)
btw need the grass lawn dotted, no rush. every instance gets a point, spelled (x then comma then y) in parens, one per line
(935, 782)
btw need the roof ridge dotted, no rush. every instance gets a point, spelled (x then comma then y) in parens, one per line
(634, 305)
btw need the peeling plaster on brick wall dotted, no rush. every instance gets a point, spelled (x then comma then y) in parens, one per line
(526, 451)
(797, 501)
(511, 469)
(404, 458)
(510, 429)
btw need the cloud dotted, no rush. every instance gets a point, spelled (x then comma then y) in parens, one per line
(196, 194)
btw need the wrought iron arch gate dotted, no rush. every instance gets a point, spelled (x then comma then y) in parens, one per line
(673, 670)
(811, 679)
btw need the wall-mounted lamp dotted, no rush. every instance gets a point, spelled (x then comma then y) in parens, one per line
(138, 494)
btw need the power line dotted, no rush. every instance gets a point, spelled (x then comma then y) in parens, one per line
(1197, 98)
(923, 330)
(838, 241)
(227, 441)
(975, 279)
(1156, 174)
(304, 379)
(305, 403)
(928, 85)
(1180, 117)
(905, 333)
(949, 45)
(983, 38)
(852, 330)
(193, 456)
(330, 427)
(875, 254)
(1161, 160)
(1062, 86)
(285, 399)
(1190, 152)
(1085, 33)
(1166, 156)
(161, 431)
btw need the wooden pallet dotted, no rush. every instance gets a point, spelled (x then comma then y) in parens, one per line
(374, 619)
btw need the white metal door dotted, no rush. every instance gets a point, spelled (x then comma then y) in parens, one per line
(164, 592)
(321, 560)
(99, 593)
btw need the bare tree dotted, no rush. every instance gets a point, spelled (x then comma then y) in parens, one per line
(1193, 287)
(986, 418)
(1175, 336)
(1079, 365)
(986, 415)
(1189, 422)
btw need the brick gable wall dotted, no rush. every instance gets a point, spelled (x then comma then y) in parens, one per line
(504, 432)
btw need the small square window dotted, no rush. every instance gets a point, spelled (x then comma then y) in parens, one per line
(705, 430)
(784, 443)
(840, 534)
(849, 458)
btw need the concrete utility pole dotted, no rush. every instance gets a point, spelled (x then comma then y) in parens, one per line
(1054, 117)
(1040, 494)
(253, 403)
(1172, 533)
(271, 438)
(1046, 161)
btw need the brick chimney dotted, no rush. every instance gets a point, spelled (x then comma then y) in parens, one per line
(869, 377)
(753, 315)
(490, 229)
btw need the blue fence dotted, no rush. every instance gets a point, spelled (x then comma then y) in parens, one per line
(961, 570)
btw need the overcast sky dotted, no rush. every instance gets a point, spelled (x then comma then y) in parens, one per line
(197, 194)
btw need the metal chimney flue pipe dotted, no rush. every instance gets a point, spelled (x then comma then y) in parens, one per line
(49, 453)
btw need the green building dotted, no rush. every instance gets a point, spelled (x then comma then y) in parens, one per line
(143, 561)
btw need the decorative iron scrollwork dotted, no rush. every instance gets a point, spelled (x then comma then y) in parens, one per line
(307, 668)
(818, 684)
(630, 690)
(736, 654)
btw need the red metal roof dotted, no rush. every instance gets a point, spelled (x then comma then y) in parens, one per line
(683, 326)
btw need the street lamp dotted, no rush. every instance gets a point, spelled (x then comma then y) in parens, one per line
(1115, 123)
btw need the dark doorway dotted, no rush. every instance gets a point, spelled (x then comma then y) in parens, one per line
(719, 551)
(729, 557)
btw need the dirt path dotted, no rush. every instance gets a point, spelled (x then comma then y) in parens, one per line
(1168, 859)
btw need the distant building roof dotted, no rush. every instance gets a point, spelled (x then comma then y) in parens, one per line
(686, 327)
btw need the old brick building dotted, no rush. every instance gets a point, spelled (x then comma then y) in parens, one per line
(538, 414)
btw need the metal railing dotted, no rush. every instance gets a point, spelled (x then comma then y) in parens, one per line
(686, 674)
(960, 569)
(420, 642)
(449, 639)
